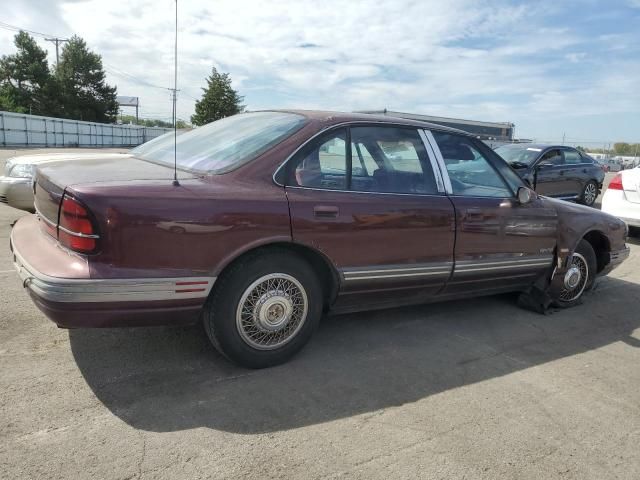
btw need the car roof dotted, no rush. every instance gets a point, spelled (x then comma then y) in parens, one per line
(331, 118)
(541, 146)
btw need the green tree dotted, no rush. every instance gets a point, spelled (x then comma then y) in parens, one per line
(84, 92)
(219, 100)
(26, 84)
(622, 148)
(147, 122)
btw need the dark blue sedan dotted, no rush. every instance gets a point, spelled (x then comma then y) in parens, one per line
(556, 170)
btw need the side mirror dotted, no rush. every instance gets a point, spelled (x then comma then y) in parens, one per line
(525, 195)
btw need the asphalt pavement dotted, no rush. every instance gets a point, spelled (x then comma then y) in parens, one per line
(475, 389)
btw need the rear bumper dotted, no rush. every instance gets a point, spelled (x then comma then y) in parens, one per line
(85, 302)
(17, 192)
(615, 202)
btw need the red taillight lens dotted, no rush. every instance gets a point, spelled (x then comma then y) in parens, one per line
(616, 183)
(76, 230)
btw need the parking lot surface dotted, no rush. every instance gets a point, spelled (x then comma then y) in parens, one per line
(476, 389)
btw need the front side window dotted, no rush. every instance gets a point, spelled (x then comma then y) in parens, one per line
(223, 145)
(470, 172)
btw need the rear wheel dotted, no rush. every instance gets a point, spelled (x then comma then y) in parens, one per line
(589, 193)
(264, 309)
(579, 277)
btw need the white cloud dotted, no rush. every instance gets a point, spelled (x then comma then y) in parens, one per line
(575, 57)
(492, 60)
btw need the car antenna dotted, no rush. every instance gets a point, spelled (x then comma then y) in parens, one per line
(175, 113)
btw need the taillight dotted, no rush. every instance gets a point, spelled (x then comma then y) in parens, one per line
(75, 229)
(616, 183)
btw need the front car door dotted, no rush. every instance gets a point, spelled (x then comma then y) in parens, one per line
(500, 244)
(369, 199)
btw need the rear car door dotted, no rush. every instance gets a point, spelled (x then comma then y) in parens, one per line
(369, 199)
(500, 244)
(549, 174)
(576, 172)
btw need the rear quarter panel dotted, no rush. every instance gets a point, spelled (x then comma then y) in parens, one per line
(155, 229)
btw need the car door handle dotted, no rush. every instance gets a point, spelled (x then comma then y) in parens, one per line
(325, 211)
(474, 214)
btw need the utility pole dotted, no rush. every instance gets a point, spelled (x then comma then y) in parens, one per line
(57, 41)
(563, 136)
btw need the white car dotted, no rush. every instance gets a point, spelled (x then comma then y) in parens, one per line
(16, 186)
(622, 197)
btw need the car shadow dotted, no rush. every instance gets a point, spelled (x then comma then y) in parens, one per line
(168, 379)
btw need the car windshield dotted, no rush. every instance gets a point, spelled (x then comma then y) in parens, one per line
(223, 145)
(518, 153)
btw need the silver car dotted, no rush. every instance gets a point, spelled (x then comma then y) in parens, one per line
(16, 186)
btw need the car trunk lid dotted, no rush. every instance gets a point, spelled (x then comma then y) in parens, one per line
(53, 179)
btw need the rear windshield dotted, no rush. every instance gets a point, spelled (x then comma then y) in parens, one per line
(222, 145)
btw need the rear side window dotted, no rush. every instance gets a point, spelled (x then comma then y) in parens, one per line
(553, 157)
(572, 157)
(390, 160)
(322, 164)
(383, 159)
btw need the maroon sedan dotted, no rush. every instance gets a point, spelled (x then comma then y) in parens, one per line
(280, 216)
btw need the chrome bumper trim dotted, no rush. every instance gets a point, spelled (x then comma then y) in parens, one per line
(77, 234)
(378, 272)
(64, 290)
(619, 256)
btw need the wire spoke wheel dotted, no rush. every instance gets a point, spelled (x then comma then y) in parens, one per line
(271, 311)
(590, 193)
(576, 278)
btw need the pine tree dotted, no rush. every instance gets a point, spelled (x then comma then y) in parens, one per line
(219, 100)
(82, 83)
(26, 84)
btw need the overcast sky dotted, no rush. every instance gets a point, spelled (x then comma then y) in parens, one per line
(551, 67)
